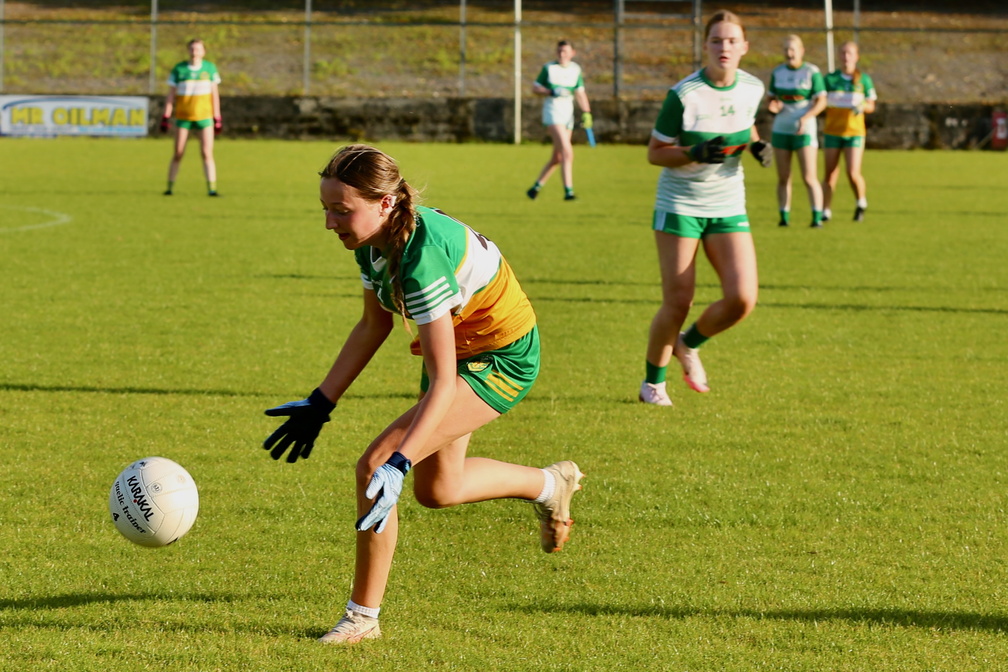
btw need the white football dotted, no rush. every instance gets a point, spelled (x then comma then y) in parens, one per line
(154, 502)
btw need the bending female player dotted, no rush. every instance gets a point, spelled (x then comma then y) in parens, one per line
(797, 95)
(704, 127)
(562, 83)
(850, 94)
(478, 338)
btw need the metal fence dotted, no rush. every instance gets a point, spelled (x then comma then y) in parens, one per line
(629, 49)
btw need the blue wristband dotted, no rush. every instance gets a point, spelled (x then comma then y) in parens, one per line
(400, 462)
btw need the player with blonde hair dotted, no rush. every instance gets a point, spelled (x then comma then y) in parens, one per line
(797, 95)
(705, 125)
(194, 100)
(850, 95)
(479, 344)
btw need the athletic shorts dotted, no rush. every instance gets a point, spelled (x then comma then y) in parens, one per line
(500, 377)
(201, 124)
(551, 118)
(841, 141)
(686, 226)
(793, 142)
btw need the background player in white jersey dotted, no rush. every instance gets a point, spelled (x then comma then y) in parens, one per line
(704, 127)
(562, 82)
(797, 94)
(194, 100)
(480, 348)
(850, 95)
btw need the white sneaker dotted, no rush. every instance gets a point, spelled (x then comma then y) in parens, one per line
(554, 514)
(352, 628)
(693, 371)
(654, 393)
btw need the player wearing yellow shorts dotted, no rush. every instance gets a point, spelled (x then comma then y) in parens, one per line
(477, 335)
(850, 94)
(705, 125)
(194, 100)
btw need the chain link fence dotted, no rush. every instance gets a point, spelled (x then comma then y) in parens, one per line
(926, 52)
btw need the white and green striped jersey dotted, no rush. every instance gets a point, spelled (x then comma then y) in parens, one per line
(449, 268)
(797, 88)
(695, 110)
(564, 79)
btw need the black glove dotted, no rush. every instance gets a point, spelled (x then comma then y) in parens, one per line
(165, 121)
(762, 151)
(302, 428)
(709, 151)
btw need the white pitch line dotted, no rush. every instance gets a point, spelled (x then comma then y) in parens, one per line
(58, 218)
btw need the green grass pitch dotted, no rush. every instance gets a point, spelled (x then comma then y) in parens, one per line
(837, 502)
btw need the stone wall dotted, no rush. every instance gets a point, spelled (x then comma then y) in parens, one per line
(893, 126)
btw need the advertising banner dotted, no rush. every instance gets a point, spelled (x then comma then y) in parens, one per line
(46, 116)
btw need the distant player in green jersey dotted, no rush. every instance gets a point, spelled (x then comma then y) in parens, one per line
(704, 128)
(477, 335)
(797, 95)
(194, 100)
(562, 83)
(850, 95)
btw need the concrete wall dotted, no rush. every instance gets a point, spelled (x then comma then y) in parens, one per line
(492, 120)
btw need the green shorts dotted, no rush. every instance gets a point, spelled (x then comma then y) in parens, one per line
(793, 142)
(686, 226)
(201, 124)
(840, 141)
(500, 377)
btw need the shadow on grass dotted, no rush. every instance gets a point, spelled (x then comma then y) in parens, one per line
(36, 612)
(912, 618)
(93, 389)
(28, 387)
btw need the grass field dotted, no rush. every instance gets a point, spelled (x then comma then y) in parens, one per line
(837, 502)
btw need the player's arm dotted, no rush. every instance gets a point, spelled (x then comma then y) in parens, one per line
(774, 104)
(169, 105)
(306, 417)
(581, 97)
(814, 110)
(361, 345)
(541, 86)
(667, 155)
(437, 342)
(215, 97)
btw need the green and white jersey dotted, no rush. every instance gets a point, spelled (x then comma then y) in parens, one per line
(567, 79)
(449, 268)
(695, 110)
(797, 88)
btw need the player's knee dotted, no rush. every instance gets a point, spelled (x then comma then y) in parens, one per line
(434, 497)
(738, 306)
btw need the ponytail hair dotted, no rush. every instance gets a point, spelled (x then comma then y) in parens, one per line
(374, 174)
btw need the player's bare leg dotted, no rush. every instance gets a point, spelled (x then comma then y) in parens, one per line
(445, 478)
(677, 261)
(733, 257)
(831, 156)
(854, 157)
(178, 151)
(782, 159)
(808, 164)
(209, 165)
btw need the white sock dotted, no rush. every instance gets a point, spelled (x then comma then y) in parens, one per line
(363, 611)
(827, 213)
(549, 485)
(862, 203)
